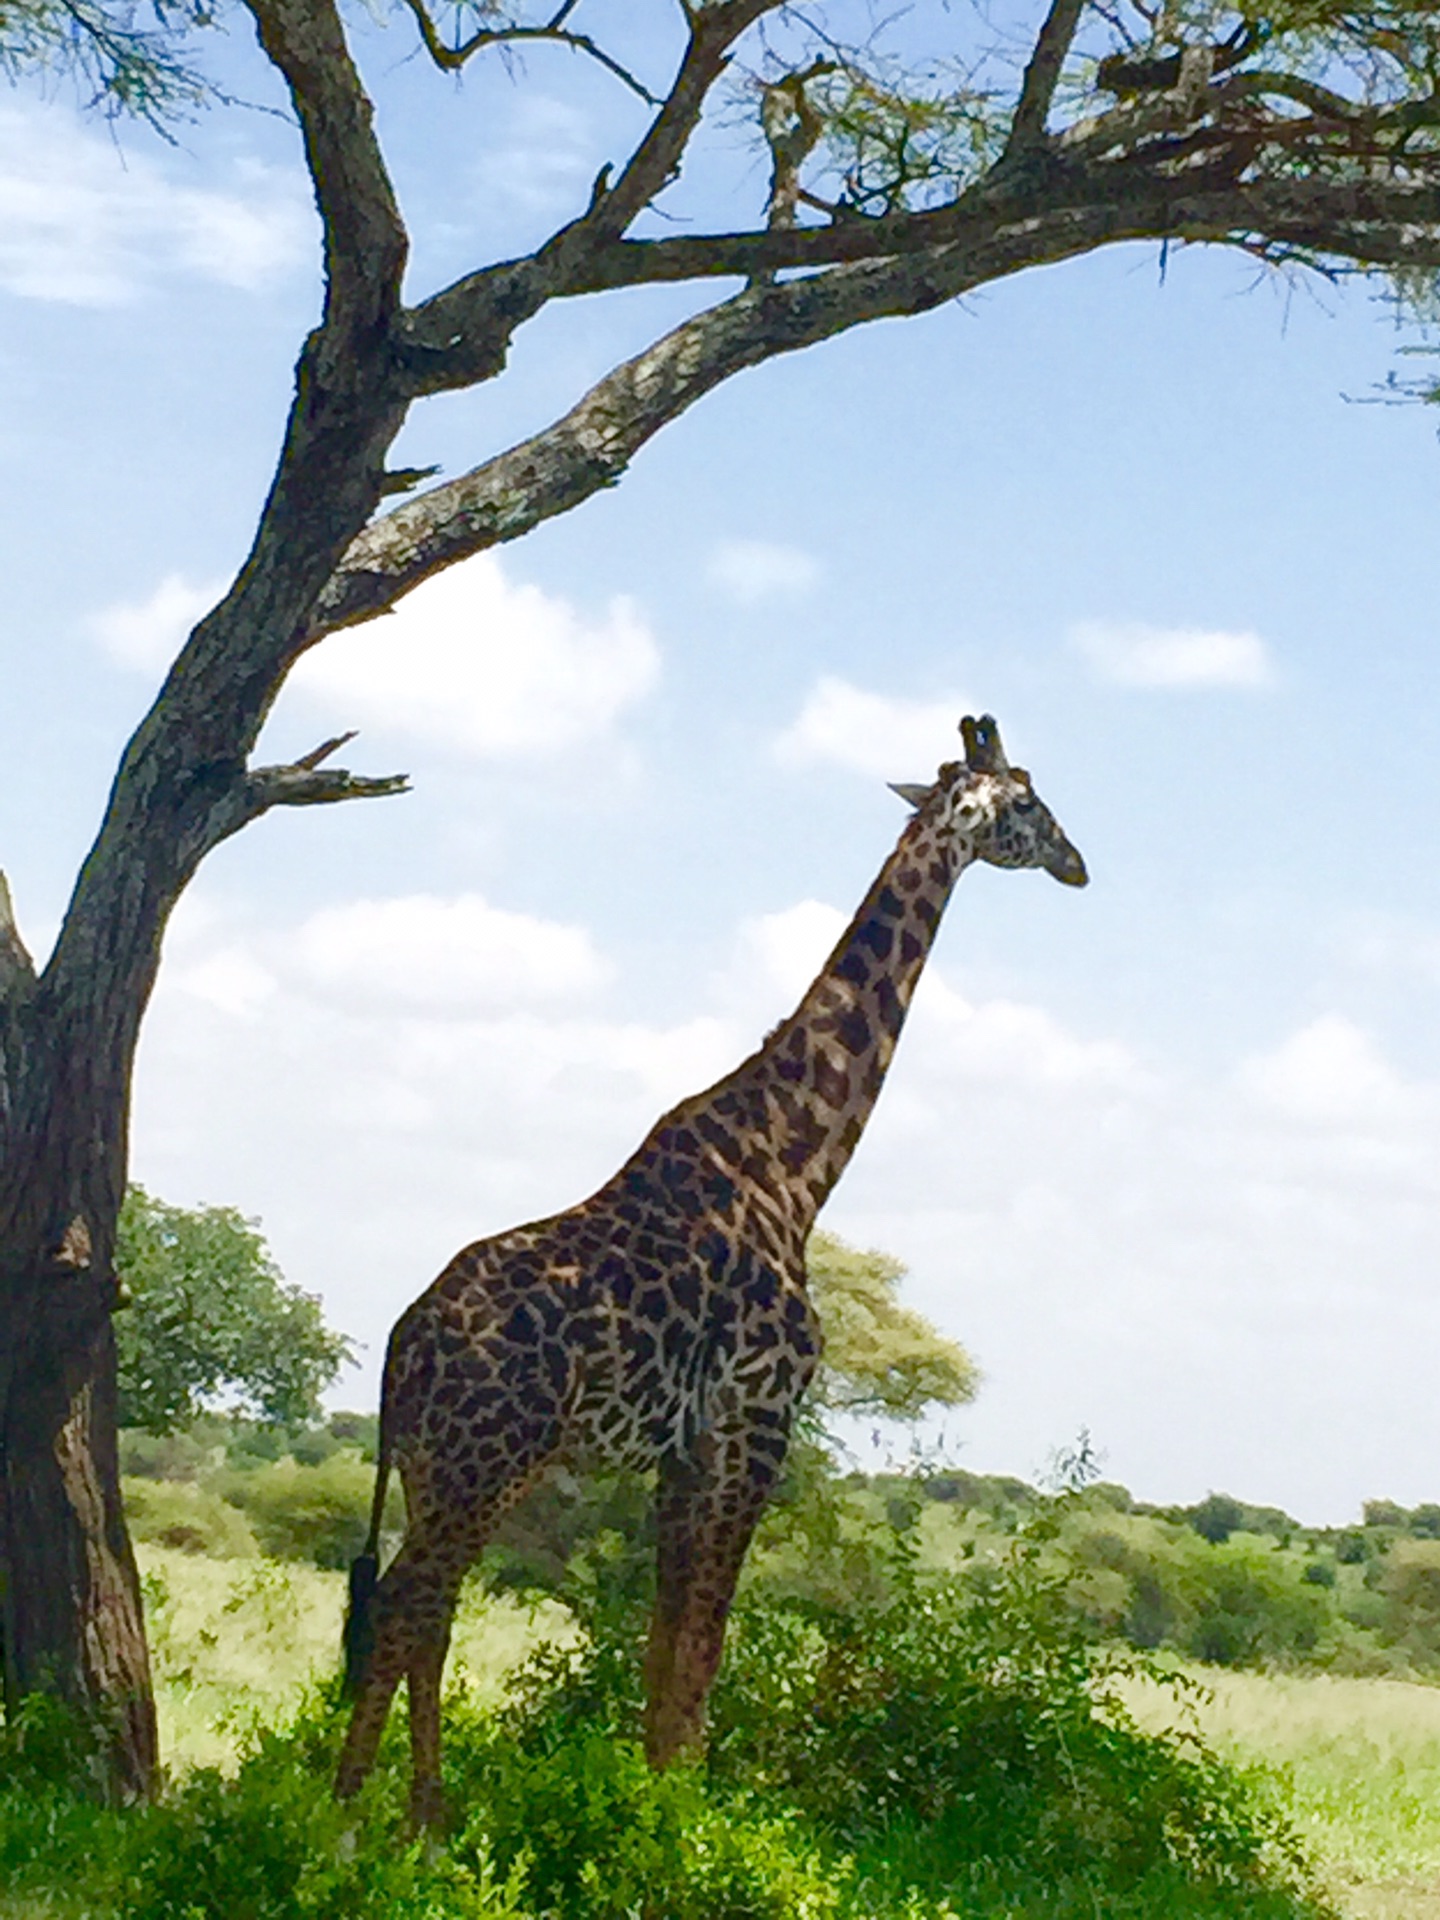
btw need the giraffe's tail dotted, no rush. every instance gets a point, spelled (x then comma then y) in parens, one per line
(358, 1634)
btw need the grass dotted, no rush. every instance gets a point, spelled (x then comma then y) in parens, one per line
(1356, 1764)
(236, 1642)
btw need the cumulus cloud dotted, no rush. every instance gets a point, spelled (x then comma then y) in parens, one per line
(147, 634)
(871, 733)
(1226, 1273)
(1329, 1072)
(751, 570)
(456, 955)
(1009, 1042)
(779, 954)
(228, 979)
(1134, 655)
(85, 223)
(474, 661)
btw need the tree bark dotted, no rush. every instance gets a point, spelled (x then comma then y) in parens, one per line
(70, 1612)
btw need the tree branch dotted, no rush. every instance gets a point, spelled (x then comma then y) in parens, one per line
(365, 240)
(461, 334)
(303, 783)
(1042, 76)
(1372, 222)
(714, 29)
(593, 444)
(17, 969)
(451, 59)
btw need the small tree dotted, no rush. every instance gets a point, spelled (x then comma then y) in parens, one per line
(880, 1357)
(210, 1315)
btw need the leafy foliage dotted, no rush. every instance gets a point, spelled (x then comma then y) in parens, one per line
(210, 1314)
(880, 1357)
(129, 58)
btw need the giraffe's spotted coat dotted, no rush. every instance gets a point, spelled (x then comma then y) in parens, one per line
(664, 1322)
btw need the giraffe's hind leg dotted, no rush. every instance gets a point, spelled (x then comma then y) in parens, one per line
(705, 1520)
(414, 1606)
(409, 1605)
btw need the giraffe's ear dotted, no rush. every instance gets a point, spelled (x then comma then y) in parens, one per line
(913, 795)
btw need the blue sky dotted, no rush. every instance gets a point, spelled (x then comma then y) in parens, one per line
(1165, 1154)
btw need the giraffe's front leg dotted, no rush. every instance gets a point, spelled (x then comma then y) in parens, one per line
(705, 1520)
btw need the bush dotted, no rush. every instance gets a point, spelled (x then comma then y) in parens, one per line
(1251, 1607)
(932, 1752)
(981, 1721)
(174, 1513)
(315, 1513)
(1410, 1594)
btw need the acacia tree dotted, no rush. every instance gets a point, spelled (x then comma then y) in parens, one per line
(1303, 131)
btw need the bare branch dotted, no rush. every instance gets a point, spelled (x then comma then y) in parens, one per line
(793, 127)
(303, 783)
(365, 239)
(451, 59)
(311, 760)
(461, 334)
(17, 969)
(1042, 76)
(593, 444)
(304, 786)
(714, 29)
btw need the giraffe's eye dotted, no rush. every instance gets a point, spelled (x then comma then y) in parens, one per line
(1024, 804)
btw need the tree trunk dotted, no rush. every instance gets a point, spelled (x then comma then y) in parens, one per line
(72, 1618)
(70, 1615)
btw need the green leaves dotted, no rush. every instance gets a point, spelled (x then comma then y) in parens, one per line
(880, 1357)
(211, 1318)
(127, 66)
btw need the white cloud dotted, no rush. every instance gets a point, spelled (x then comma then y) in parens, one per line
(543, 161)
(1014, 1044)
(869, 733)
(458, 955)
(782, 952)
(148, 634)
(1135, 655)
(229, 979)
(1329, 1072)
(84, 222)
(1228, 1275)
(751, 570)
(473, 661)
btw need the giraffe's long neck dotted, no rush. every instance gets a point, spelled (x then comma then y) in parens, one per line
(789, 1117)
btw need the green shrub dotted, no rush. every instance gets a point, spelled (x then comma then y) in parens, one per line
(1409, 1592)
(1252, 1606)
(316, 1513)
(980, 1719)
(174, 1513)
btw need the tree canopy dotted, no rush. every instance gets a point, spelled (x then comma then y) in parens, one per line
(880, 1357)
(210, 1319)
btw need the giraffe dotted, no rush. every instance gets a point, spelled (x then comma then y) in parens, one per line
(664, 1322)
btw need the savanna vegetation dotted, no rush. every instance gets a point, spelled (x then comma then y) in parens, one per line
(945, 1693)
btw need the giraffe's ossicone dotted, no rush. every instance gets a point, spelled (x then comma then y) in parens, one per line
(664, 1322)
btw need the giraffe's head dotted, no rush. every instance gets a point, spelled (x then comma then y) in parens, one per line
(984, 801)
